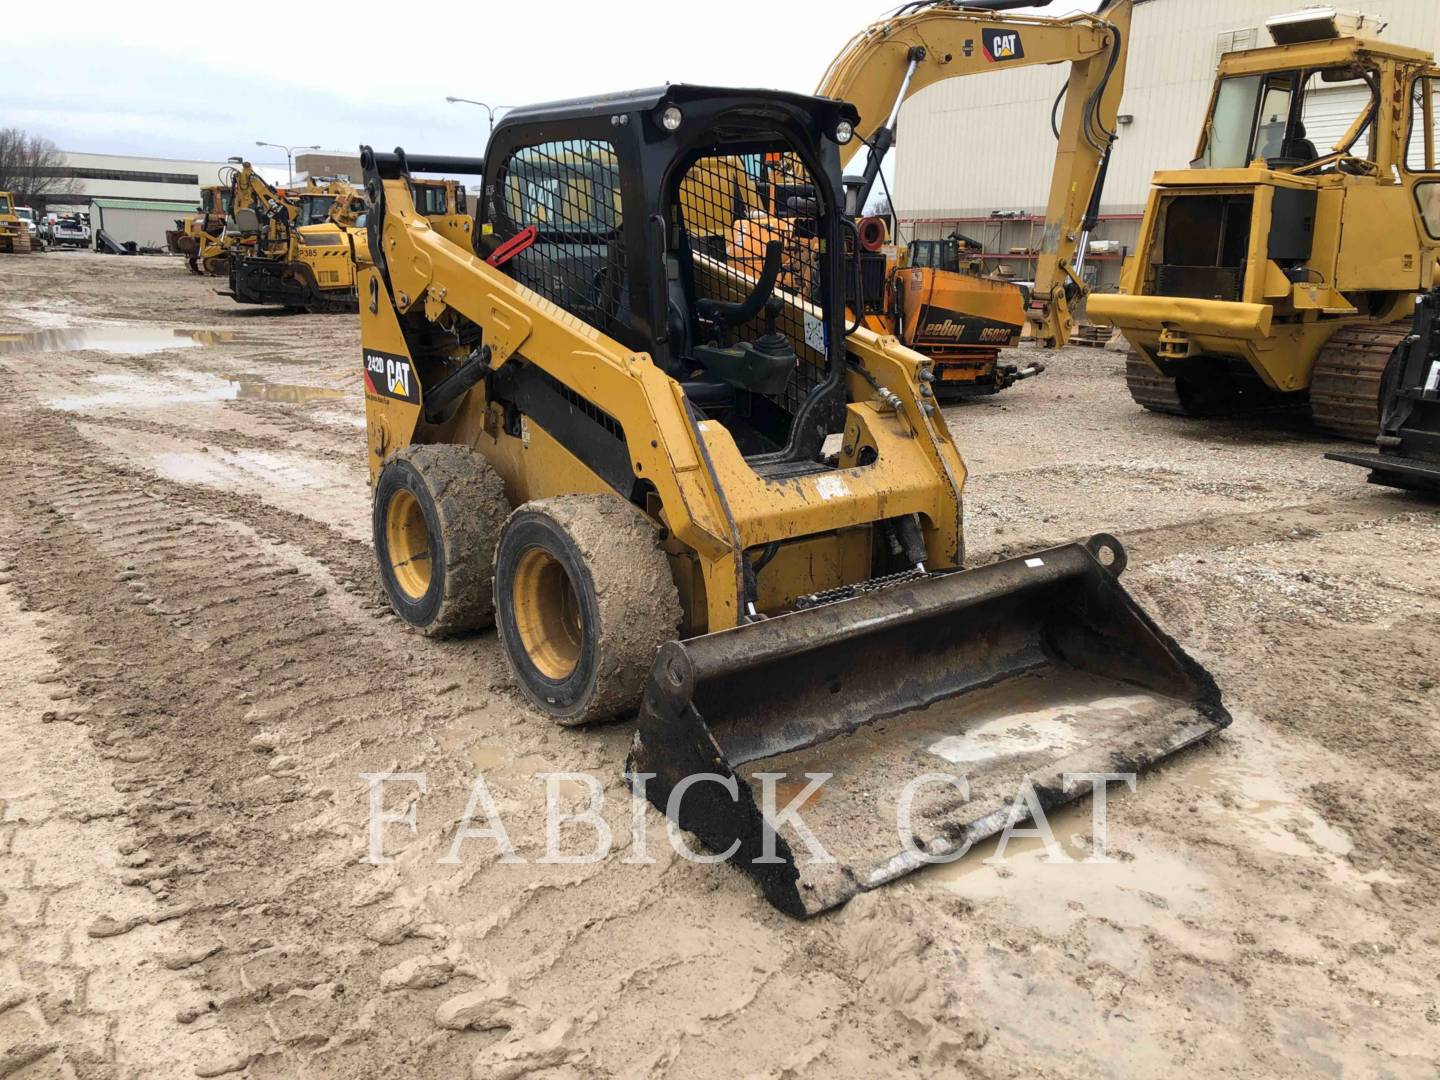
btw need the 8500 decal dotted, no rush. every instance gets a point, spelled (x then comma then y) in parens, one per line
(391, 376)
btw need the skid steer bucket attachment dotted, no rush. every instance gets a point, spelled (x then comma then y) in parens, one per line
(1041, 667)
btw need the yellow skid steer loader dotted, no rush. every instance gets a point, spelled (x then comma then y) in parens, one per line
(691, 486)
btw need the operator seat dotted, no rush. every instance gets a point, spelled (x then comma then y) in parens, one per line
(1299, 146)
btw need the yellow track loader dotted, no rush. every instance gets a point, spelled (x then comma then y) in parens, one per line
(14, 232)
(927, 294)
(299, 250)
(1275, 273)
(692, 489)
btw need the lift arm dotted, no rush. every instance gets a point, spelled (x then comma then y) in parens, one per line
(926, 43)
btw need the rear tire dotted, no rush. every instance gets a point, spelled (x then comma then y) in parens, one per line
(437, 512)
(584, 598)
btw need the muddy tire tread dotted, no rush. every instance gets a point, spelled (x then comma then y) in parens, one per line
(470, 500)
(638, 603)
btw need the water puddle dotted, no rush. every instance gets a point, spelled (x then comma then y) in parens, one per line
(1138, 887)
(189, 387)
(126, 340)
(289, 393)
(1054, 730)
(238, 468)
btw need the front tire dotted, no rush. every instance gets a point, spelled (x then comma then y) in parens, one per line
(584, 597)
(437, 512)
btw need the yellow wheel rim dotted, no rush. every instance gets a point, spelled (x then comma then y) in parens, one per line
(547, 614)
(408, 538)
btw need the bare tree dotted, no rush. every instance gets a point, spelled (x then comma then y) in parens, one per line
(31, 166)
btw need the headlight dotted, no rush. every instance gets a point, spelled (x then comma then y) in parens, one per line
(670, 118)
(844, 132)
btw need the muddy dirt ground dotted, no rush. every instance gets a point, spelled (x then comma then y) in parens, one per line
(199, 667)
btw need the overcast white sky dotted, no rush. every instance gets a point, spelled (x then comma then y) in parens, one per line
(152, 78)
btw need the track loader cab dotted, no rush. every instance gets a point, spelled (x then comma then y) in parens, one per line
(1277, 270)
(656, 456)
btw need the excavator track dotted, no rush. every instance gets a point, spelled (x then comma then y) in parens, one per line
(1151, 389)
(1345, 385)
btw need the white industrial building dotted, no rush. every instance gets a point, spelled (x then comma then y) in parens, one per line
(133, 199)
(970, 148)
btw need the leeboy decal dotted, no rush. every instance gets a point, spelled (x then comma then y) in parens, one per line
(1001, 45)
(391, 376)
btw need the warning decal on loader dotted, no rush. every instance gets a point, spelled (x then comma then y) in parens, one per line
(391, 376)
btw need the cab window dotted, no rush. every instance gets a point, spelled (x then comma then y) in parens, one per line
(430, 199)
(1289, 118)
(1227, 145)
(315, 209)
(4, 204)
(1336, 114)
(1424, 152)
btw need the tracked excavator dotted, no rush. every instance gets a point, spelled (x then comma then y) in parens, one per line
(1277, 274)
(296, 251)
(694, 492)
(932, 294)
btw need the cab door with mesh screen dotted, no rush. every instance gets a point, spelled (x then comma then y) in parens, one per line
(731, 207)
(569, 192)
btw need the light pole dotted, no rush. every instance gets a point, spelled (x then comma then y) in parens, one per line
(490, 110)
(289, 156)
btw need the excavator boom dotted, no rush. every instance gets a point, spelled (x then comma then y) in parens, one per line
(893, 59)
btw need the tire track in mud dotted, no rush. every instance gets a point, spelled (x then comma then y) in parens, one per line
(238, 700)
(198, 619)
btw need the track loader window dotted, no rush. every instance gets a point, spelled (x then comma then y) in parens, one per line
(315, 209)
(1424, 151)
(1289, 119)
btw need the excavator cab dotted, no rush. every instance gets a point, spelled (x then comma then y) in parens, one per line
(315, 208)
(688, 491)
(1279, 270)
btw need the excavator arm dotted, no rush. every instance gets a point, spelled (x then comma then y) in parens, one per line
(925, 43)
(250, 191)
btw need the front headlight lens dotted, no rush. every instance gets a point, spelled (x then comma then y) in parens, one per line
(844, 132)
(670, 118)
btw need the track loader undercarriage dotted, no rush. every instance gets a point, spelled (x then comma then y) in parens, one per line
(1409, 441)
(680, 481)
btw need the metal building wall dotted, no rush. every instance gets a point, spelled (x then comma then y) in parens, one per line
(127, 178)
(967, 147)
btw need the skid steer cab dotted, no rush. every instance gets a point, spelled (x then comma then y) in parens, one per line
(683, 487)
